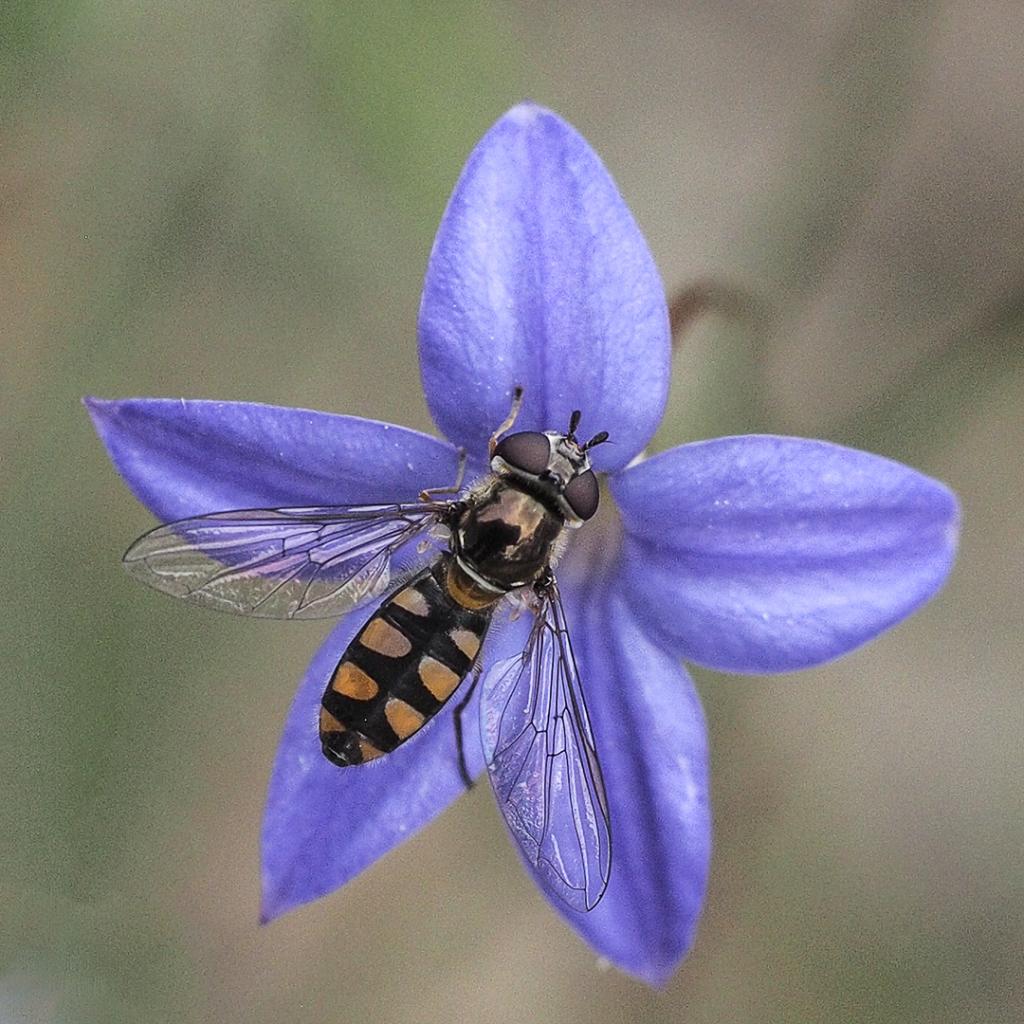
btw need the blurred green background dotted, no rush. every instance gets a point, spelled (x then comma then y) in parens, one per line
(236, 200)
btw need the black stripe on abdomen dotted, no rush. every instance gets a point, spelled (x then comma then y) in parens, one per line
(400, 669)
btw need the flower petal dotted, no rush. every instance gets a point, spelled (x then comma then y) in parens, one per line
(766, 554)
(183, 458)
(539, 276)
(322, 824)
(651, 741)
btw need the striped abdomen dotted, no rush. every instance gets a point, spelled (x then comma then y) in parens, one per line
(400, 668)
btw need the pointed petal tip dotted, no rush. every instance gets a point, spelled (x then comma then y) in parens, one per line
(96, 404)
(95, 407)
(529, 113)
(657, 977)
(953, 508)
(270, 908)
(276, 898)
(104, 415)
(101, 411)
(954, 522)
(525, 112)
(653, 975)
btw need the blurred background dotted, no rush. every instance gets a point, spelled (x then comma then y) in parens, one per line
(236, 200)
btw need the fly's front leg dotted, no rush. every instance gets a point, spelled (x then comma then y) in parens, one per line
(429, 493)
(543, 585)
(508, 421)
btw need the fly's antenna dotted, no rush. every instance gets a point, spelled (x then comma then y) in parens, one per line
(574, 422)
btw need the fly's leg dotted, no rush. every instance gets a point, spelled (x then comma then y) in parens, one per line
(544, 582)
(467, 779)
(508, 421)
(430, 492)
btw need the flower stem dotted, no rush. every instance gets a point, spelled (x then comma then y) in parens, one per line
(692, 301)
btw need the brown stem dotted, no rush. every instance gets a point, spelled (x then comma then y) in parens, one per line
(708, 295)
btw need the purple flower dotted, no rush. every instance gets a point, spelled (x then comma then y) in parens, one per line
(744, 554)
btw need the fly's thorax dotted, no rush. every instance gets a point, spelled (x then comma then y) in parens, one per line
(505, 535)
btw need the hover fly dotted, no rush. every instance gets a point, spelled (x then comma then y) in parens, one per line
(501, 539)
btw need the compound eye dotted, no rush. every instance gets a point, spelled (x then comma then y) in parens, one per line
(528, 451)
(582, 494)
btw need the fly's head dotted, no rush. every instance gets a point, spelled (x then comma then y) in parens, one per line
(555, 466)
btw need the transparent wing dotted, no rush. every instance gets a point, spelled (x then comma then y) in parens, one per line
(285, 563)
(542, 762)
